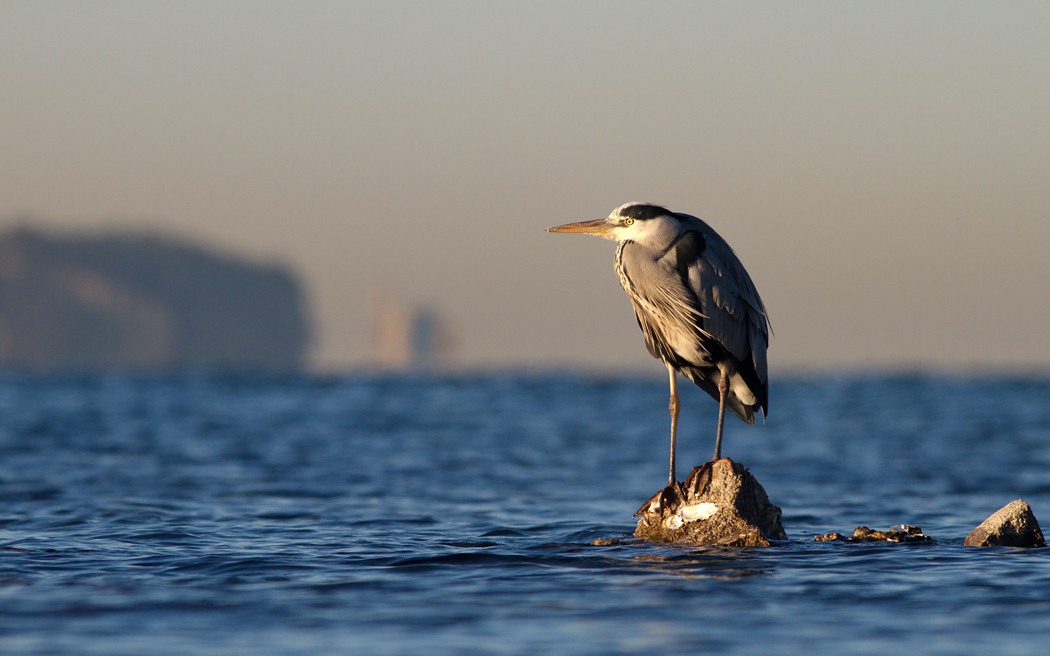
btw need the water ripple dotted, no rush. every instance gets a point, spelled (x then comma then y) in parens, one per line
(386, 515)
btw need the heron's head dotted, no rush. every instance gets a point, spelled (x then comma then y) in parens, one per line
(640, 222)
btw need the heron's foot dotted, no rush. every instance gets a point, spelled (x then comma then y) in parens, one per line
(671, 496)
(697, 481)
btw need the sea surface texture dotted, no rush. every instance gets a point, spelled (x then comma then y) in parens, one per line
(200, 514)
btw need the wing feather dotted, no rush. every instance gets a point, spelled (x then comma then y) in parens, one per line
(734, 312)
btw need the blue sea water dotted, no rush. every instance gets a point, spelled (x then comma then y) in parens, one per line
(399, 515)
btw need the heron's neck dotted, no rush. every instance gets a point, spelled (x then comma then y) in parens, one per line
(625, 282)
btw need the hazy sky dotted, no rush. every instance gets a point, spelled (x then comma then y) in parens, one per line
(882, 169)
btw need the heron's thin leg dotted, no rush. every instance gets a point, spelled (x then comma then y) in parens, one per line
(723, 392)
(673, 407)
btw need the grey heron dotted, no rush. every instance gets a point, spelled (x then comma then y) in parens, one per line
(696, 305)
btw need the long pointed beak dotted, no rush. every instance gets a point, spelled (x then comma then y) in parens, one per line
(599, 227)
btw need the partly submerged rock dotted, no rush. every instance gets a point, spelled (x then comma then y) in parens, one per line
(1013, 525)
(720, 503)
(898, 533)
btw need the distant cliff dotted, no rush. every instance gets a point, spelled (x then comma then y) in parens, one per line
(133, 302)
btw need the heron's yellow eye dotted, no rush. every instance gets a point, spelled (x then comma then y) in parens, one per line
(628, 221)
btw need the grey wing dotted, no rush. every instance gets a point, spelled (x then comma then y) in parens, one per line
(667, 309)
(732, 309)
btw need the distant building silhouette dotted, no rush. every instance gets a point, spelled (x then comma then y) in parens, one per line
(120, 301)
(402, 336)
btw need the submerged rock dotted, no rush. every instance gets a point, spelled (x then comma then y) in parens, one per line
(898, 533)
(1013, 525)
(720, 503)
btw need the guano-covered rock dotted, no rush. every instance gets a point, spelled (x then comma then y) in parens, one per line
(720, 503)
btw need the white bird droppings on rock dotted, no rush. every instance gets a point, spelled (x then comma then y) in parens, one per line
(697, 511)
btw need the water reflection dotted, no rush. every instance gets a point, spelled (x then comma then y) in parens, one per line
(707, 562)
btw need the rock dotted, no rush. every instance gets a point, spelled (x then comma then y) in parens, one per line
(720, 503)
(1013, 525)
(830, 537)
(898, 533)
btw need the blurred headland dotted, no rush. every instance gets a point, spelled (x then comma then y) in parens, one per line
(121, 301)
